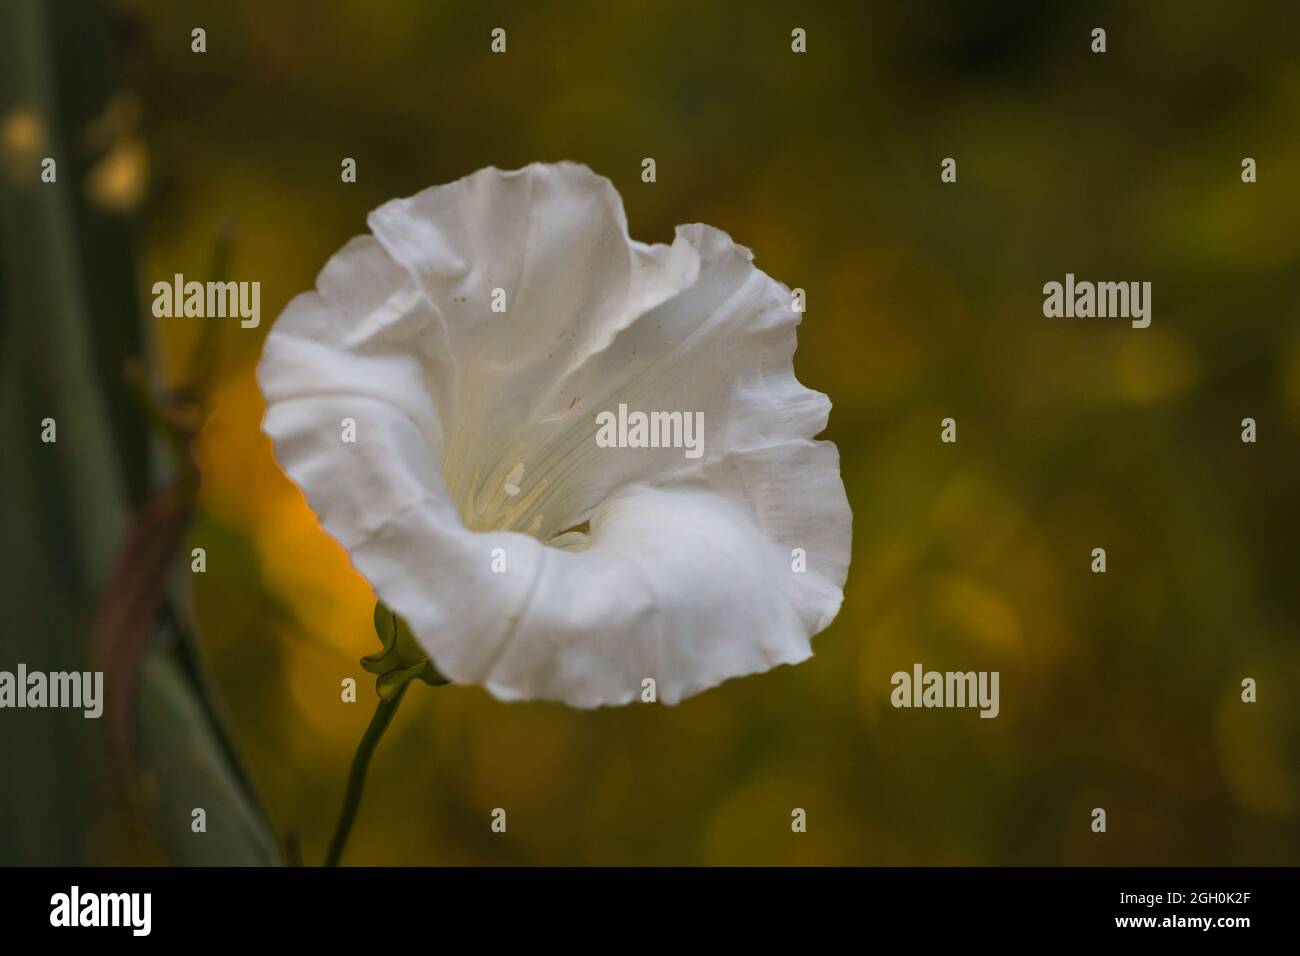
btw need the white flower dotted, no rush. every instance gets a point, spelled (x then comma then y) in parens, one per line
(476, 499)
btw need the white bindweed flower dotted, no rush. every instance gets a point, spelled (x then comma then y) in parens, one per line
(475, 339)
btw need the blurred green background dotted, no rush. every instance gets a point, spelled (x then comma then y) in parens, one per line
(924, 301)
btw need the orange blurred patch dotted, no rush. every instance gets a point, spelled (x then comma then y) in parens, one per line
(244, 489)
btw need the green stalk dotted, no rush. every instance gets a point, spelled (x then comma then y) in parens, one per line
(357, 775)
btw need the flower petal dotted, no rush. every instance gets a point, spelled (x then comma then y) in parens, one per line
(681, 584)
(549, 245)
(723, 347)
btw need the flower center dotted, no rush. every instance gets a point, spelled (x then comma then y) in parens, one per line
(504, 506)
(500, 508)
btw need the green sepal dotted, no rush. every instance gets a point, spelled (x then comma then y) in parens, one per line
(386, 685)
(386, 631)
(401, 659)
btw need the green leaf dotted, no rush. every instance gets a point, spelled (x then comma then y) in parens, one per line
(69, 321)
(183, 768)
(62, 505)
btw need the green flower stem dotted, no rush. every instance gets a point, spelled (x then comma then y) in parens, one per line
(357, 776)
